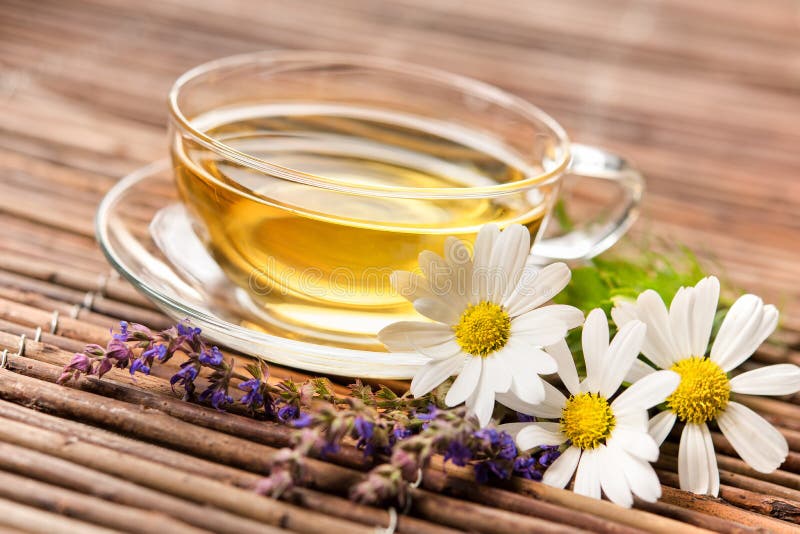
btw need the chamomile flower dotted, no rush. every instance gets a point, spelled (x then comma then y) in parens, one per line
(609, 444)
(489, 323)
(677, 339)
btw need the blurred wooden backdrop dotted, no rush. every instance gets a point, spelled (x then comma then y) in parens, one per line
(704, 96)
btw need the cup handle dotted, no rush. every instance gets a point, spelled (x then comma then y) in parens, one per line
(589, 239)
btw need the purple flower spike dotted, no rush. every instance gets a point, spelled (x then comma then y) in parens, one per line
(140, 365)
(302, 421)
(288, 412)
(527, 468)
(400, 433)
(211, 357)
(123, 332)
(218, 397)
(458, 452)
(156, 351)
(253, 398)
(185, 377)
(548, 455)
(364, 428)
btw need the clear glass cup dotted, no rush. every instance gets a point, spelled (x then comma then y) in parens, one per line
(311, 176)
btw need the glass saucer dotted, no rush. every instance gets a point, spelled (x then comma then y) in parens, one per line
(146, 234)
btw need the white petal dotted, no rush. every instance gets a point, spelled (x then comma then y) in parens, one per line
(757, 442)
(434, 373)
(594, 339)
(620, 357)
(411, 335)
(706, 297)
(481, 402)
(466, 382)
(769, 321)
(442, 351)
(560, 472)
(647, 392)
(680, 318)
(549, 408)
(438, 310)
(638, 370)
(525, 359)
(659, 347)
(587, 478)
(661, 424)
(527, 387)
(537, 435)
(693, 462)
(457, 255)
(571, 316)
(711, 458)
(442, 279)
(537, 287)
(482, 256)
(566, 365)
(780, 379)
(537, 327)
(623, 312)
(410, 285)
(613, 482)
(632, 419)
(741, 331)
(497, 373)
(641, 478)
(509, 254)
(635, 442)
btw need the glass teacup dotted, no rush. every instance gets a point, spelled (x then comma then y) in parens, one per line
(312, 176)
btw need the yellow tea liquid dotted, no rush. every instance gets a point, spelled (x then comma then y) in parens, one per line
(317, 261)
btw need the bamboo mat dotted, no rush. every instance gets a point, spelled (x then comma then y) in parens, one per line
(704, 96)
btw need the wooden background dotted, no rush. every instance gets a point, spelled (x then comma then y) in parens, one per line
(703, 96)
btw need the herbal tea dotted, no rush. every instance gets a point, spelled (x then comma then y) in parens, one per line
(318, 259)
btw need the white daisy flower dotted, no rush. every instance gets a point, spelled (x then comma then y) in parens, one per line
(609, 443)
(677, 339)
(490, 324)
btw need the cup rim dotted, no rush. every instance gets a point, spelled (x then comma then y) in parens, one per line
(484, 90)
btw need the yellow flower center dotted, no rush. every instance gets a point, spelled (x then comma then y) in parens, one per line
(703, 392)
(483, 328)
(587, 420)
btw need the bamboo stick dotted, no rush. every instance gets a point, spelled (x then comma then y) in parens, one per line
(764, 504)
(670, 462)
(207, 443)
(64, 343)
(791, 464)
(437, 480)
(87, 508)
(67, 326)
(242, 502)
(73, 278)
(53, 470)
(65, 309)
(710, 506)
(166, 479)
(790, 481)
(99, 304)
(328, 504)
(693, 517)
(180, 403)
(29, 519)
(572, 501)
